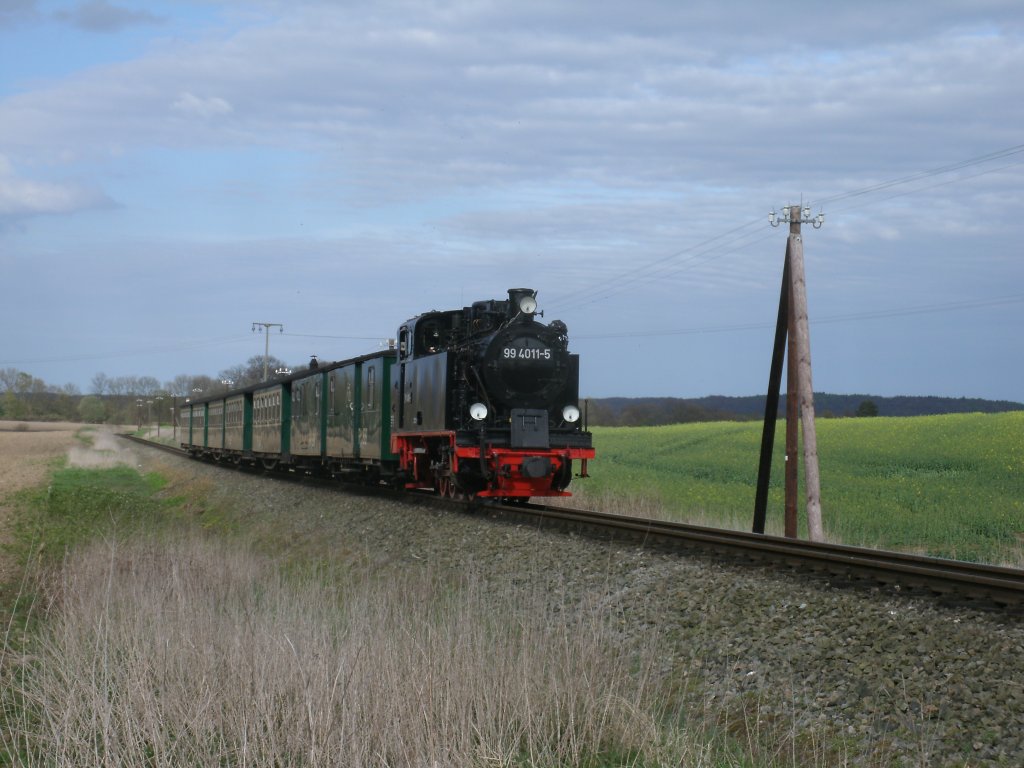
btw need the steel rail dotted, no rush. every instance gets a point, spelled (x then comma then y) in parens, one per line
(1001, 587)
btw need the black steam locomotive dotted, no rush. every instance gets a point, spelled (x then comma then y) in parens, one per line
(481, 401)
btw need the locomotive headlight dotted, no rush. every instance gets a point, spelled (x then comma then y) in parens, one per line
(571, 413)
(478, 411)
(528, 305)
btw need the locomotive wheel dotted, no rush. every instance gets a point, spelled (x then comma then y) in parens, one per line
(446, 486)
(449, 488)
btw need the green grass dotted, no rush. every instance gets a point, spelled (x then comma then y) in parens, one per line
(951, 486)
(80, 504)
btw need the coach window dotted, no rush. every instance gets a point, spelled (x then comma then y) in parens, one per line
(316, 396)
(371, 387)
(403, 343)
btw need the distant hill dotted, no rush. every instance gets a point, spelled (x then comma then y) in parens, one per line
(649, 411)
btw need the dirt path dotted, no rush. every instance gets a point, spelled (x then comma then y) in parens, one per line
(106, 450)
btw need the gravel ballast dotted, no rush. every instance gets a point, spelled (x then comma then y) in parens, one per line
(871, 674)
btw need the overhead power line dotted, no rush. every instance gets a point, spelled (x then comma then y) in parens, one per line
(981, 159)
(325, 336)
(923, 309)
(585, 295)
(734, 239)
(152, 350)
(167, 348)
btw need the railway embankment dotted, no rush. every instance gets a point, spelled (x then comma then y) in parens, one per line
(864, 676)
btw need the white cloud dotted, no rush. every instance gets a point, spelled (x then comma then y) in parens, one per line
(474, 94)
(211, 106)
(24, 197)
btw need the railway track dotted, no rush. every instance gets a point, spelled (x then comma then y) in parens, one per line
(984, 586)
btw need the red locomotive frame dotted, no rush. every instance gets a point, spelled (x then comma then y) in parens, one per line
(431, 460)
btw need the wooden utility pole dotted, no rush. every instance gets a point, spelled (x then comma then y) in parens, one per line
(792, 327)
(801, 330)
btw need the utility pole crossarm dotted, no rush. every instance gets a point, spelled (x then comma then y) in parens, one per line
(266, 351)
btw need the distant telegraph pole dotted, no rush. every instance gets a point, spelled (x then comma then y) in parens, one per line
(792, 323)
(266, 353)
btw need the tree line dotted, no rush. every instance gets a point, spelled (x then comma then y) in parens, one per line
(144, 399)
(121, 399)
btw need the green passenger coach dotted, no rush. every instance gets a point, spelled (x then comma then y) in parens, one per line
(332, 419)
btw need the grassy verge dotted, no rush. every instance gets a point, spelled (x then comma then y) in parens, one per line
(80, 504)
(183, 651)
(951, 486)
(145, 639)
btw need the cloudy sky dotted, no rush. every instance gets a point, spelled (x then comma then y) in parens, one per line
(172, 172)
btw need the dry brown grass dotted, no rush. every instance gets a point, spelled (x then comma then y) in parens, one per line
(26, 454)
(192, 653)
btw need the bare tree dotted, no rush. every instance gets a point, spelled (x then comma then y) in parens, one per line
(180, 386)
(8, 379)
(147, 386)
(118, 386)
(100, 384)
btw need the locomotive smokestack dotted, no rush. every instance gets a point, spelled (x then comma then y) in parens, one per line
(522, 300)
